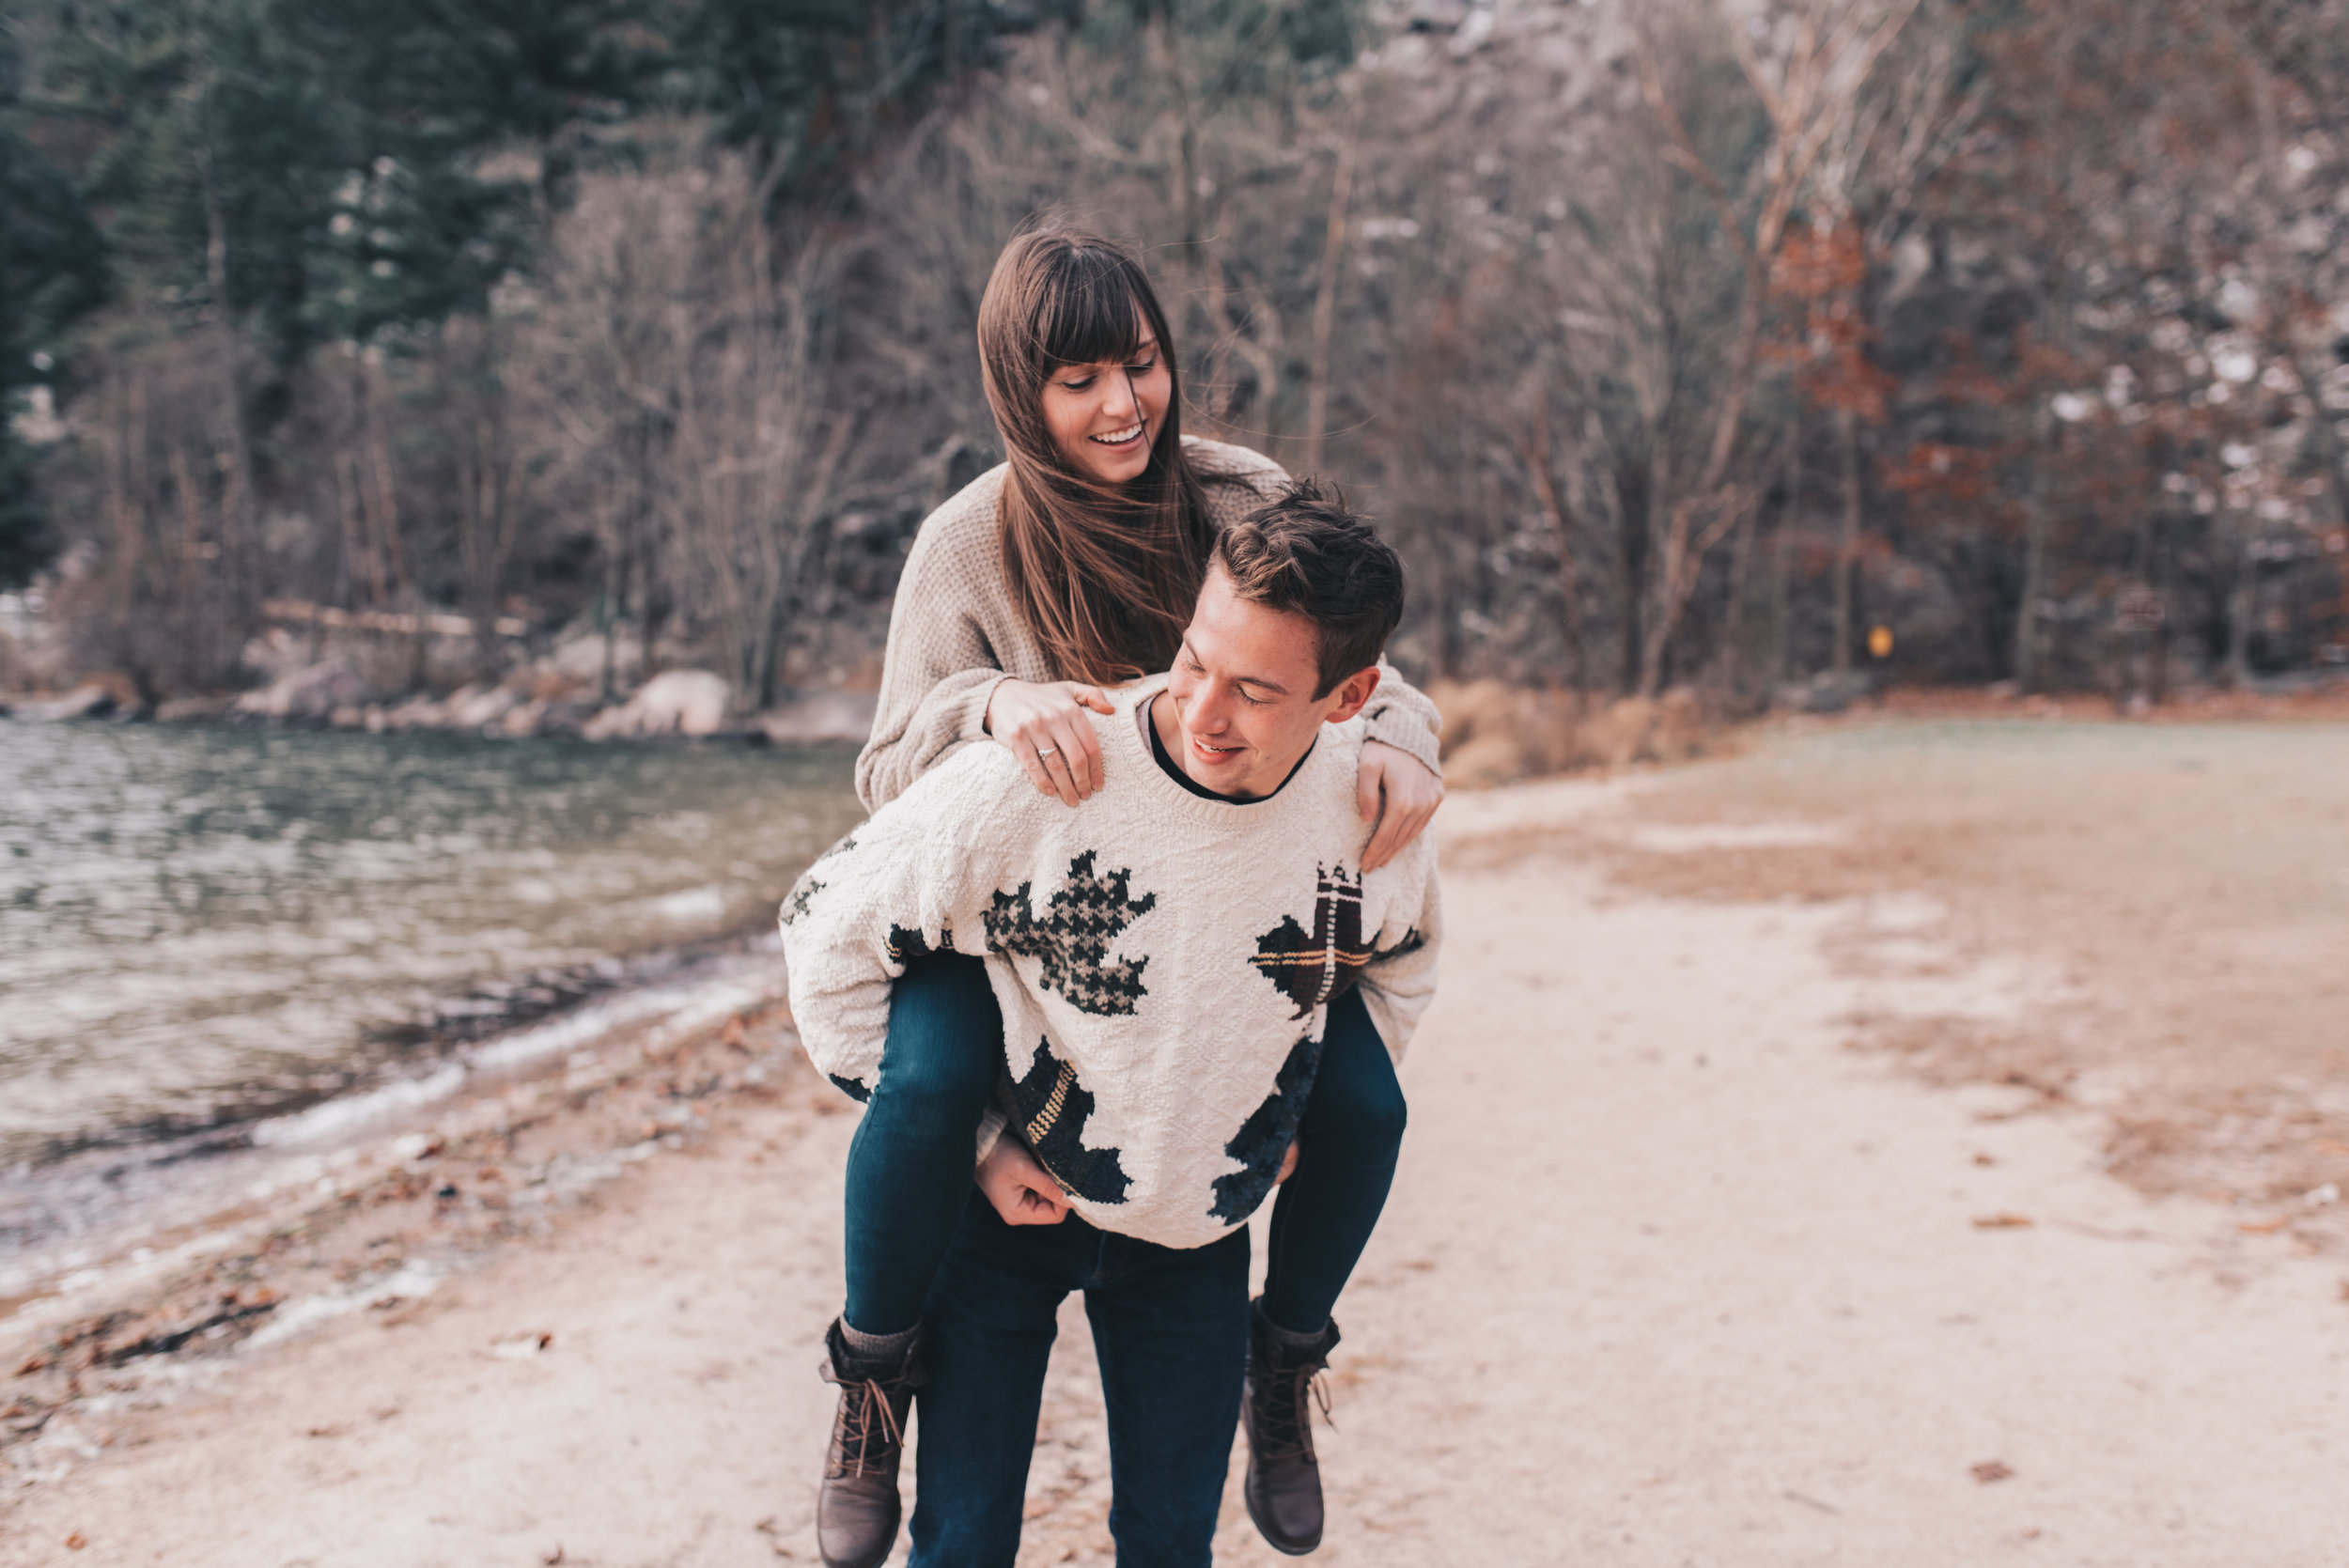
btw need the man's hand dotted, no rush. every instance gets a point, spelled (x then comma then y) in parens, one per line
(1022, 1192)
(1394, 789)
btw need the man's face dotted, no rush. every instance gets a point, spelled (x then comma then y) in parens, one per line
(1242, 703)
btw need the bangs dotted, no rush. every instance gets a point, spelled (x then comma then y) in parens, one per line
(1092, 313)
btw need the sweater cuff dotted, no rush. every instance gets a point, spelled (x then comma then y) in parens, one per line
(1397, 726)
(991, 1124)
(970, 719)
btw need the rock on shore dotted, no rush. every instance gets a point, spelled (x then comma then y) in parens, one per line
(676, 702)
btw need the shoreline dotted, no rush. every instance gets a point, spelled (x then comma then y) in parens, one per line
(843, 717)
(119, 1207)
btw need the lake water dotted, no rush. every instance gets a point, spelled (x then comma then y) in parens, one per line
(201, 925)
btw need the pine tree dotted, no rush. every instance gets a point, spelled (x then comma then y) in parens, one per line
(52, 270)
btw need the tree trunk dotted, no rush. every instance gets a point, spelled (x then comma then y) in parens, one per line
(189, 591)
(486, 516)
(1325, 304)
(2325, 441)
(1558, 511)
(1633, 502)
(1733, 616)
(2240, 604)
(1782, 560)
(2027, 672)
(238, 508)
(1847, 543)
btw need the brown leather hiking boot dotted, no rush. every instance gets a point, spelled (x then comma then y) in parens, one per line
(857, 1507)
(1283, 1485)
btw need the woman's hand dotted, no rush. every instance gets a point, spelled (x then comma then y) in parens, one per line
(1043, 727)
(1398, 792)
(1022, 1192)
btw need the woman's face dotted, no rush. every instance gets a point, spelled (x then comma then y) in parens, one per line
(1104, 417)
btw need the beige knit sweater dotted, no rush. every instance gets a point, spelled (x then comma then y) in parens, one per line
(956, 632)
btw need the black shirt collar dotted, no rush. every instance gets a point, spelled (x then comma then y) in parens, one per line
(1175, 769)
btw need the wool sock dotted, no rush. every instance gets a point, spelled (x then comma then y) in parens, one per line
(886, 1349)
(1287, 1338)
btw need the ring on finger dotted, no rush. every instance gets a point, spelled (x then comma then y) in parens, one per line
(1047, 750)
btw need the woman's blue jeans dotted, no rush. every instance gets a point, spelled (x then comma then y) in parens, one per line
(909, 1168)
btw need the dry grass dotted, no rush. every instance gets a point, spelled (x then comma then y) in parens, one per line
(1494, 733)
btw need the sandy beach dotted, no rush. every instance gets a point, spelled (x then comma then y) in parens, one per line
(1791, 1179)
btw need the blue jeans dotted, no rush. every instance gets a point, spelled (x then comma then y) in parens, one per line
(1170, 1329)
(909, 1166)
(1348, 1141)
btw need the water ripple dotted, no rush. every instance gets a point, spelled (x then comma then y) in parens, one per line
(196, 921)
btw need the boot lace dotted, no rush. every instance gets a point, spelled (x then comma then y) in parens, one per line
(1285, 1428)
(867, 1433)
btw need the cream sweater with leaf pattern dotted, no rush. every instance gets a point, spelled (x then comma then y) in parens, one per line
(1164, 962)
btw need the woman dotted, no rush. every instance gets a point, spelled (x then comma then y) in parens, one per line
(1073, 564)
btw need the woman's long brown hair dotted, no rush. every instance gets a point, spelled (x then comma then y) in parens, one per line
(1104, 575)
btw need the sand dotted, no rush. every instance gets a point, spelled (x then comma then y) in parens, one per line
(1672, 1275)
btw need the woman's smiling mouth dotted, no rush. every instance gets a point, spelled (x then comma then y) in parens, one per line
(1126, 437)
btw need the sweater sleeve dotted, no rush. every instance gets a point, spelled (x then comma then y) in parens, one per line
(1402, 716)
(937, 673)
(1400, 979)
(904, 884)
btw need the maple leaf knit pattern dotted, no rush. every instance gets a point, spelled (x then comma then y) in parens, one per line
(1164, 961)
(956, 631)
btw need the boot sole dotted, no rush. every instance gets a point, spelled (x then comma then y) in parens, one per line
(874, 1560)
(1307, 1548)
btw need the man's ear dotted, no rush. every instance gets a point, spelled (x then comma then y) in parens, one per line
(1352, 692)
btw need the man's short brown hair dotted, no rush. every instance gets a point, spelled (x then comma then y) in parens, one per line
(1305, 552)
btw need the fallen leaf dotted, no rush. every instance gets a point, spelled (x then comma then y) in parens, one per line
(554, 1556)
(1985, 1159)
(522, 1347)
(1990, 1471)
(2264, 1227)
(1999, 1222)
(75, 1542)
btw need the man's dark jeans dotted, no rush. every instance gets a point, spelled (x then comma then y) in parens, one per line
(1170, 1329)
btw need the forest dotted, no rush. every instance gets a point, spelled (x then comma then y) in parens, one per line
(1753, 348)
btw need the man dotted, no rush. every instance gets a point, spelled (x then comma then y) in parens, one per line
(1165, 956)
